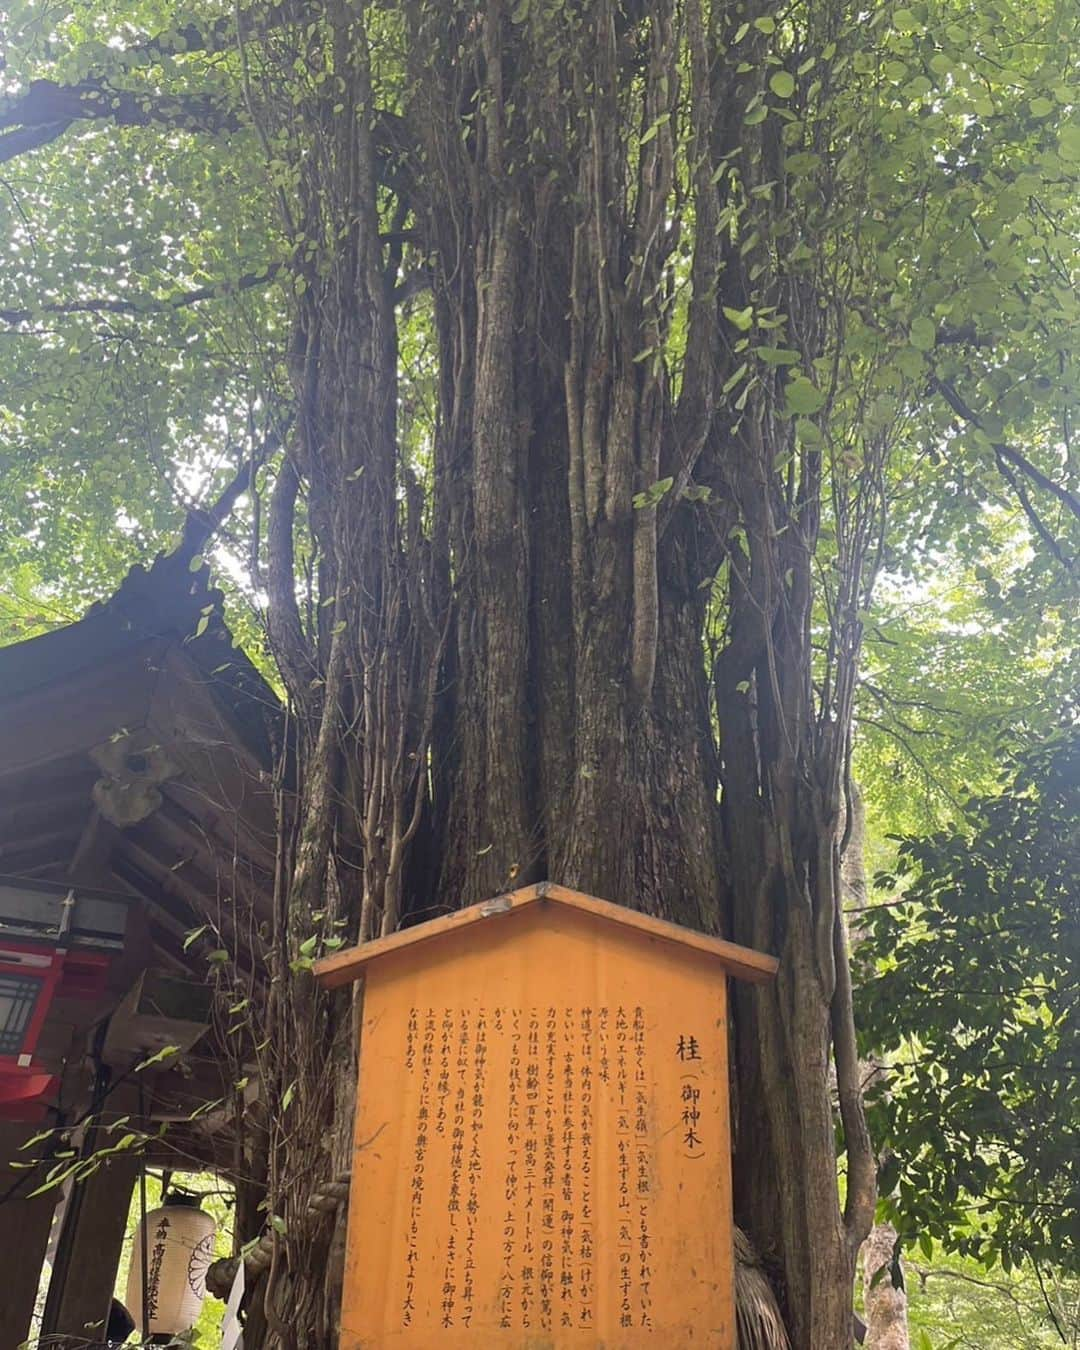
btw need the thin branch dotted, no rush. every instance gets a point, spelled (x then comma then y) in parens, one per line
(1029, 510)
(1014, 456)
(148, 305)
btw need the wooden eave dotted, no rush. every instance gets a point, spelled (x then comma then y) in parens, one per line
(740, 962)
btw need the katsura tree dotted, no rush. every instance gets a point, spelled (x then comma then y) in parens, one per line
(572, 357)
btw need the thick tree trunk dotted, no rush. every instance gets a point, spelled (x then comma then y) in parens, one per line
(506, 674)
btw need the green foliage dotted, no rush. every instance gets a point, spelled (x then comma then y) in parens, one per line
(973, 1000)
(955, 1304)
(974, 644)
(923, 207)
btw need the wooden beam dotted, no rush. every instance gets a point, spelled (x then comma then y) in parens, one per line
(88, 1254)
(215, 875)
(48, 839)
(24, 1236)
(89, 862)
(221, 775)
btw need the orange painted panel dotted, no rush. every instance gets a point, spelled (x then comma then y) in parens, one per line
(542, 1154)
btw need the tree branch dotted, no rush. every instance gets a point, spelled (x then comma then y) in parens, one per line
(148, 305)
(203, 522)
(1018, 460)
(46, 110)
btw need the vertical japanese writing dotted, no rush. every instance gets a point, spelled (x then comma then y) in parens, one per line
(574, 1238)
(688, 1049)
(567, 1191)
(691, 1117)
(457, 1150)
(157, 1257)
(585, 1215)
(531, 1189)
(442, 1116)
(643, 1185)
(412, 1036)
(473, 1173)
(512, 1142)
(547, 1221)
(416, 1186)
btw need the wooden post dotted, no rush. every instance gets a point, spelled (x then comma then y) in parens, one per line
(88, 1253)
(24, 1236)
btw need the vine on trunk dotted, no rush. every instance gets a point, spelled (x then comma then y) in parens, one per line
(506, 675)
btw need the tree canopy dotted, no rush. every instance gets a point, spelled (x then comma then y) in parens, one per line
(620, 424)
(972, 1000)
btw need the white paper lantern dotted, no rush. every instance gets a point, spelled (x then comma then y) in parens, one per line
(177, 1241)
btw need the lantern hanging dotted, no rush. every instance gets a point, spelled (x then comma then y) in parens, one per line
(176, 1241)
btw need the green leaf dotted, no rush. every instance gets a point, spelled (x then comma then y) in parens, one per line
(765, 24)
(778, 356)
(653, 495)
(650, 134)
(803, 397)
(923, 334)
(743, 319)
(782, 84)
(193, 935)
(166, 1052)
(804, 161)
(809, 434)
(1069, 143)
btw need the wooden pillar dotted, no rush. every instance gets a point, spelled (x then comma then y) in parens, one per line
(24, 1236)
(88, 1253)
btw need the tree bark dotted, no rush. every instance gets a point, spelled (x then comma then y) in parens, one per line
(884, 1301)
(886, 1304)
(574, 635)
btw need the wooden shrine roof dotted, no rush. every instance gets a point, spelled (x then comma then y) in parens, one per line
(135, 759)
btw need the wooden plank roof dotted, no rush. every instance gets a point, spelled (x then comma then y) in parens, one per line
(741, 962)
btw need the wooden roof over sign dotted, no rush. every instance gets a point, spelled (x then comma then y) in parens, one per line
(741, 962)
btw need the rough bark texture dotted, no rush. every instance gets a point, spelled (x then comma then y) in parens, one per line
(886, 1305)
(575, 634)
(884, 1301)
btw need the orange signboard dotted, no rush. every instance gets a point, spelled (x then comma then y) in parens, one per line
(542, 1151)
